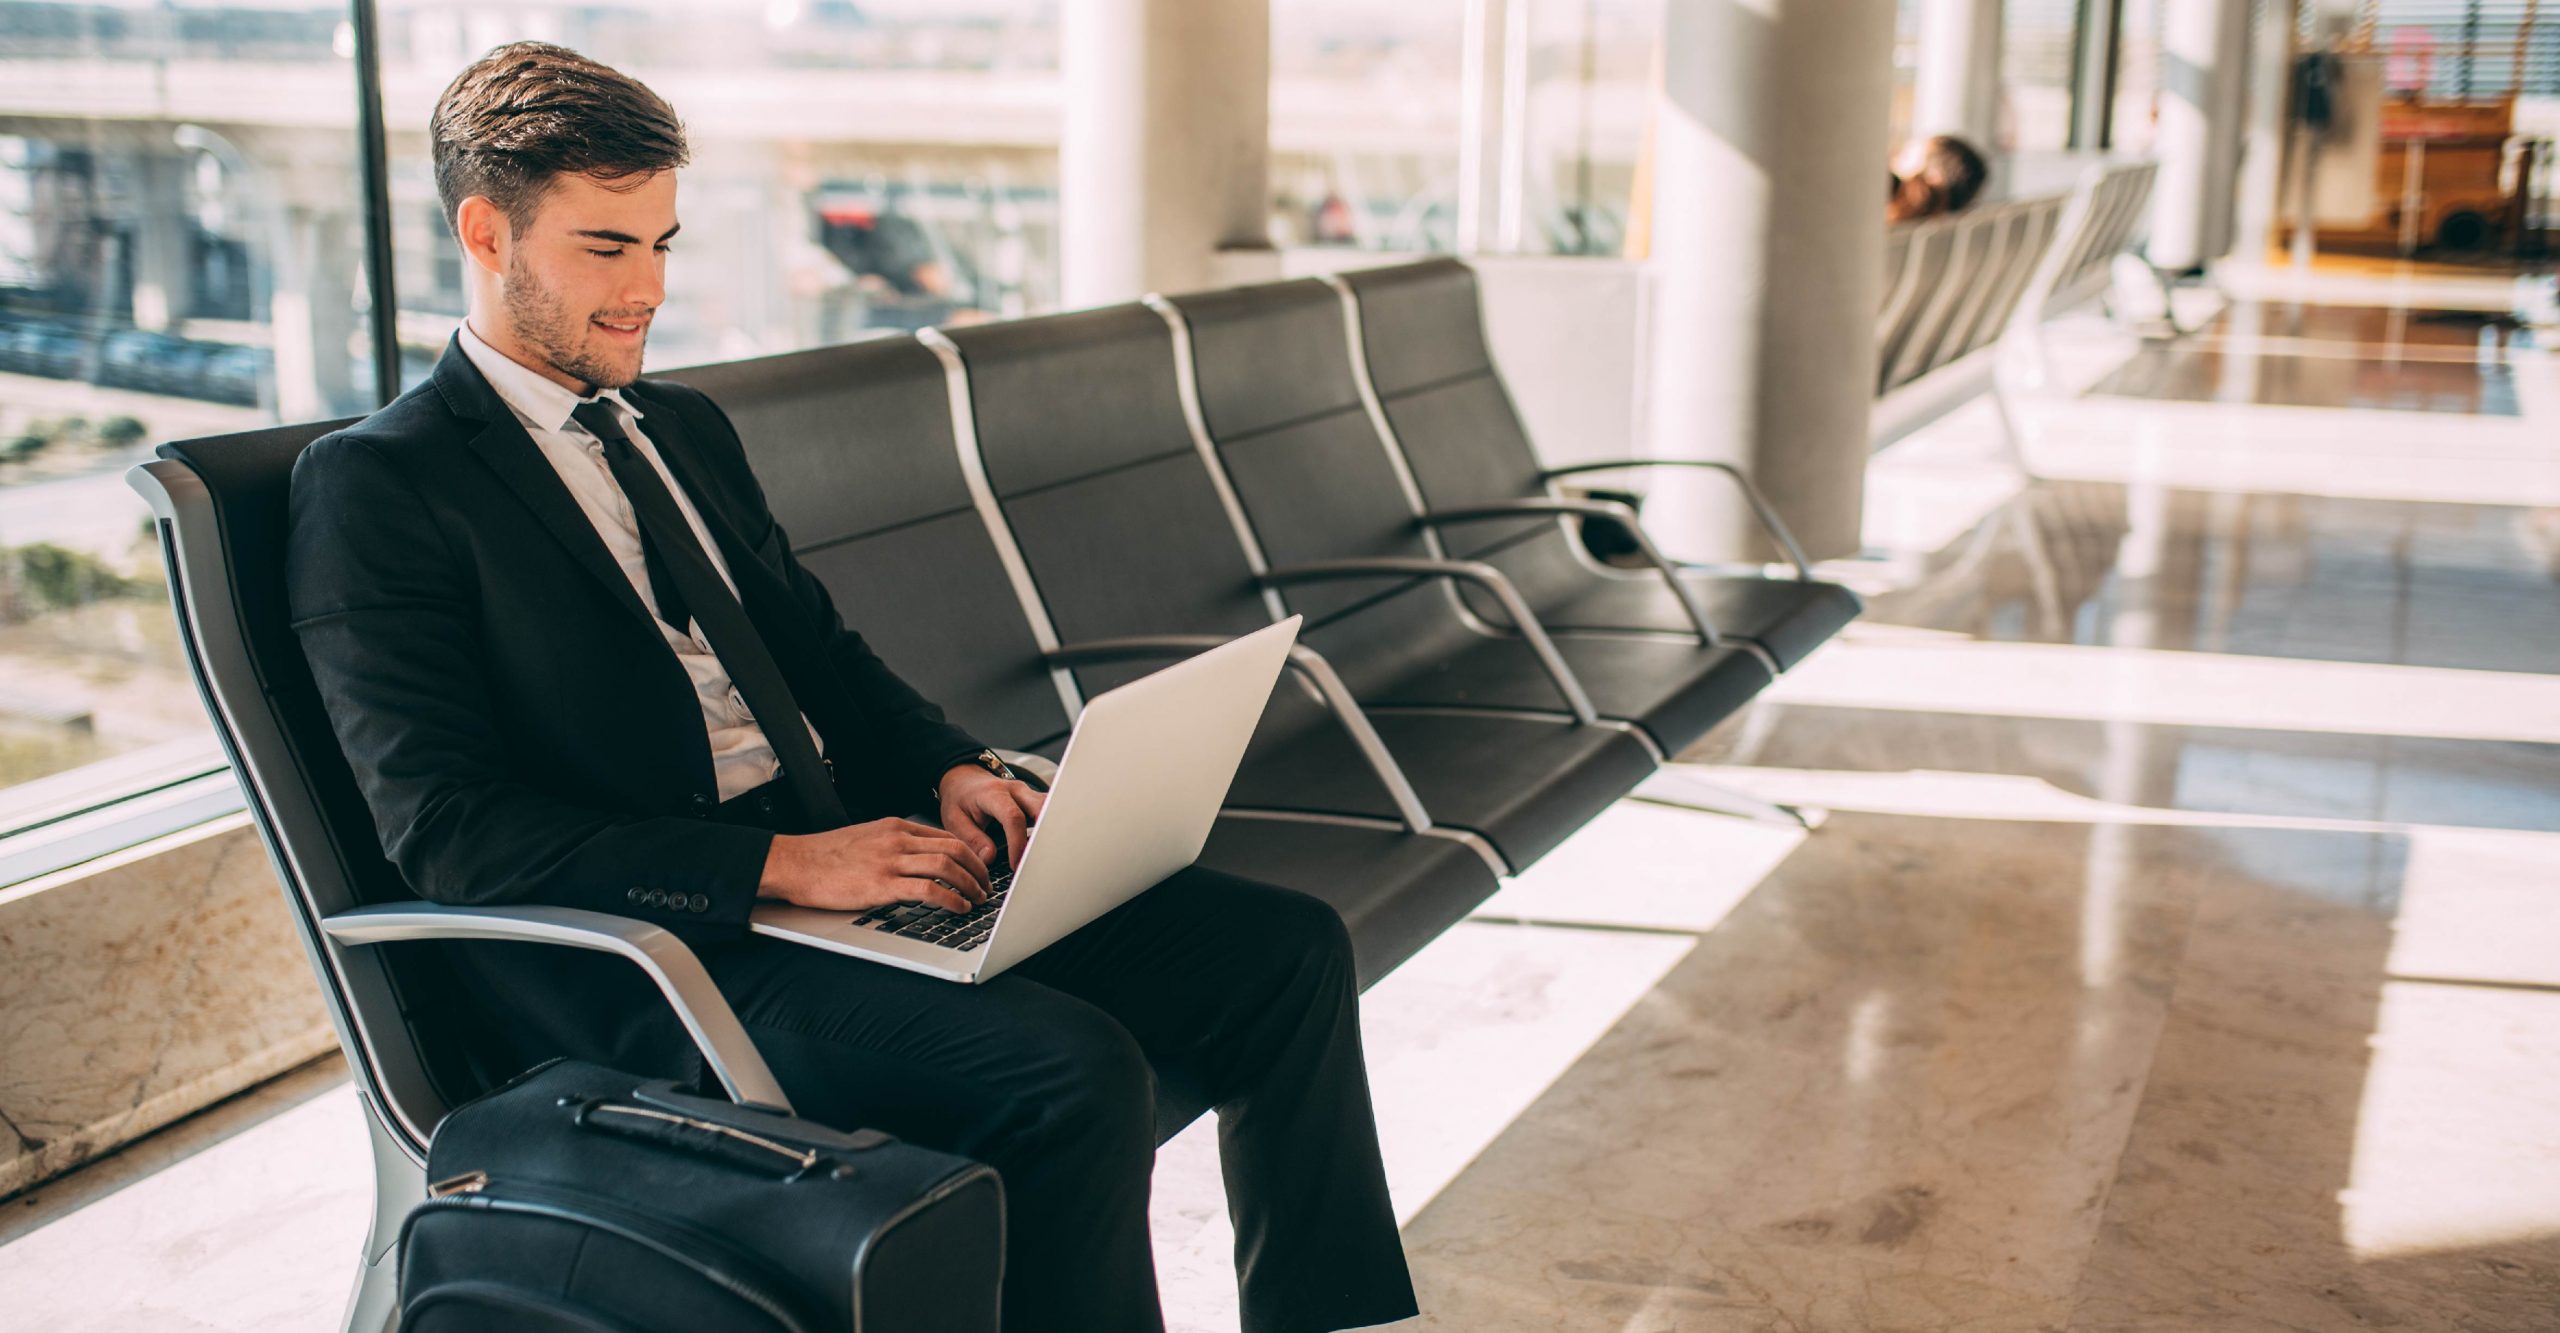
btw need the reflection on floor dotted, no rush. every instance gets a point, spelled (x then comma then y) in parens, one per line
(2182, 951)
(2296, 355)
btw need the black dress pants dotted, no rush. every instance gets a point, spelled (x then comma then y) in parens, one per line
(1242, 991)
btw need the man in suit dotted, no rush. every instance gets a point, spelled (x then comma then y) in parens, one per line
(571, 661)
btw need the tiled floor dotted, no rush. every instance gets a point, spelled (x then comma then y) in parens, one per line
(2182, 951)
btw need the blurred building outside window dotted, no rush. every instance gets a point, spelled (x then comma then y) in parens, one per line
(2038, 45)
(856, 167)
(182, 241)
(180, 254)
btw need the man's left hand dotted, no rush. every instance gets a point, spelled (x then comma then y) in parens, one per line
(976, 802)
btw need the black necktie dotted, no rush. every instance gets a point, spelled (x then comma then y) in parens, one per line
(677, 564)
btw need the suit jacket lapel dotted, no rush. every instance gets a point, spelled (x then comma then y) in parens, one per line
(518, 461)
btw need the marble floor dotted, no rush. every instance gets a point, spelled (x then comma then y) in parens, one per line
(2180, 951)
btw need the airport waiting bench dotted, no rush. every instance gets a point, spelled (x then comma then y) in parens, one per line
(1019, 515)
(1957, 288)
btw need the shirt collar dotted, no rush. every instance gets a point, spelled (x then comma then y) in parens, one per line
(537, 400)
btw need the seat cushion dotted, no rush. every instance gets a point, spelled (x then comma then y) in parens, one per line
(1396, 891)
(1675, 690)
(1786, 618)
(1524, 784)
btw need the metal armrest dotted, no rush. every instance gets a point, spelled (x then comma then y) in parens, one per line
(669, 963)
(1310, 666)
(1769, 520)
(1482, 575)
(1623, 513)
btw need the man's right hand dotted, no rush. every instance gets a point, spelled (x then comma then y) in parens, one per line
(872, 865)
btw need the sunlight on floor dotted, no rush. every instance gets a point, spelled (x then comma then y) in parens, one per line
(2456, 1144)
(2100, 683)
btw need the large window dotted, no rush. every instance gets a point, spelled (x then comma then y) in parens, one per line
(183, 233)
(180, 254)
(2038, 41)
(1496, 126)
(1590, 73)
(886, 165)
(1367, 106)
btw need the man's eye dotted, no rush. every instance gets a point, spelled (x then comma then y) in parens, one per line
(606, 254)
(665, 249)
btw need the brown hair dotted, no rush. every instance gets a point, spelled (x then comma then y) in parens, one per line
(1955, 168)
(529, 112)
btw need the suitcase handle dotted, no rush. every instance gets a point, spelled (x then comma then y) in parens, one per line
(666, 1096)
(693, 1134)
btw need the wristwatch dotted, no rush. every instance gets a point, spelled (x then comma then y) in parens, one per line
(986, 759)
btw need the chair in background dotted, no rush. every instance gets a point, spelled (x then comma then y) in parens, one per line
(1287, 431)
(1478, 482)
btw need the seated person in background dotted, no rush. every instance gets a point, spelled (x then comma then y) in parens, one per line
(1933, 176)
(572, 661)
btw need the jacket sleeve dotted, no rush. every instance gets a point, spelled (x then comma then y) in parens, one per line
(923, 743)
(389, 621)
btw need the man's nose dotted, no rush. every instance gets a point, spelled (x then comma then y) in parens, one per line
(648, 290)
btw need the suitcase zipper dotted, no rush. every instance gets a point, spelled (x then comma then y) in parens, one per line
(469, 1182)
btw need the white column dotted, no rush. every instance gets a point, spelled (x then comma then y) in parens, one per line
(1767, 267)
(2262, 158)
(2203, 82)
(1956, 90)
(1165, 160)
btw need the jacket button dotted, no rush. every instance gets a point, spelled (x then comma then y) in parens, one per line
(637, 895)
(700, 902)
(657, 898)
(702, 802)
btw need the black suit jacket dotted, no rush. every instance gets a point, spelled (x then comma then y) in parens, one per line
(521, 731)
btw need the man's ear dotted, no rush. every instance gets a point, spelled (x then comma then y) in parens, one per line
(483, 231)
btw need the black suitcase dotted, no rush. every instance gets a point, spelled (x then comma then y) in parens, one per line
(576, 1198)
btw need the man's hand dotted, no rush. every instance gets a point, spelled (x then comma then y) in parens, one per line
(977, 805)
(871, 865)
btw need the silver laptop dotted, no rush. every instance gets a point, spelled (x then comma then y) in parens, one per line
(1140, 784)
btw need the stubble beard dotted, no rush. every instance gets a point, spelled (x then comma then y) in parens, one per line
(546, 328)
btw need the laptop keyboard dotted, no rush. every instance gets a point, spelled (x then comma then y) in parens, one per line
(952, 930)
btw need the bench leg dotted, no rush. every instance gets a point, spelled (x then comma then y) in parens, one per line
(399, 1182)
(1688, 791)
(2013, 445)
(374, 1305)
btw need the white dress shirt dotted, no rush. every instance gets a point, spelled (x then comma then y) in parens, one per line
(741, 756)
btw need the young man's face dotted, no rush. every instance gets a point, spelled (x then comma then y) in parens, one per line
(575, 292)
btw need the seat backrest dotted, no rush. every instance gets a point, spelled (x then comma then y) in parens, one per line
(1089, 459)
(1917, 295)
(222, 506)
(2038, 223)
(1280, 402)
(1423, 340)
(1282, 406)
(855, 449)
(2103, 221)
(1897, 256)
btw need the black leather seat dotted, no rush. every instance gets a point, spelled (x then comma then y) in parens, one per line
(855, 449)
(1088, 453)
(416, 1043)
(1426, 356)
(1281, 403)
